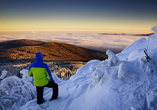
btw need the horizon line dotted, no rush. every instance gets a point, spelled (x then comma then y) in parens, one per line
(102, 31)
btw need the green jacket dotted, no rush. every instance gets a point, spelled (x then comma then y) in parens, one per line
(40, 71)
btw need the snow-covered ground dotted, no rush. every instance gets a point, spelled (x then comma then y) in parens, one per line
(125, 81)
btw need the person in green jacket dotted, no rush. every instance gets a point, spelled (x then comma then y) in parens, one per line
(42, 78)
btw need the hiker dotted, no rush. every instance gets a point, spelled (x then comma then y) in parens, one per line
(42, 78)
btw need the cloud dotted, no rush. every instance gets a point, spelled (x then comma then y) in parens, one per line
(87, 40)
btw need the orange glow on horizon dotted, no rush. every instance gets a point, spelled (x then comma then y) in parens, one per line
(76, 25)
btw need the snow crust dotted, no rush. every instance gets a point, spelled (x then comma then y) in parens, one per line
(125, 81)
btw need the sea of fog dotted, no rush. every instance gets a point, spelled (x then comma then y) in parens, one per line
(91, 40)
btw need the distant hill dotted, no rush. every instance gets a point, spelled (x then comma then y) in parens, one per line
(18, 50)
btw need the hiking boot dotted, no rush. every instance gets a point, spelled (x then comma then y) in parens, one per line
(52, 99)
(41, 102)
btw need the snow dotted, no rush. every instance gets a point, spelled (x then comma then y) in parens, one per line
(124, 81)
(122, 71)
(15, 92)
(3, 75)
(154, 28)
(112, 58)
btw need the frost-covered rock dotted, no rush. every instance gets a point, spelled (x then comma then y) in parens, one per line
(16, 92)
(122, 70)
(25, 77)
(111, 61)
(103, 67)
(112, 58)
(150, 65)
(3, 75)
(154, 28)
(9, 82)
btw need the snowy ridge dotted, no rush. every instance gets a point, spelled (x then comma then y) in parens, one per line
(126, 81)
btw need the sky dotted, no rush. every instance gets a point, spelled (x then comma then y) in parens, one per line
(116, 16)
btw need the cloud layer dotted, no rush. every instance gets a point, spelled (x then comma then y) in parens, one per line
(88, 40)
